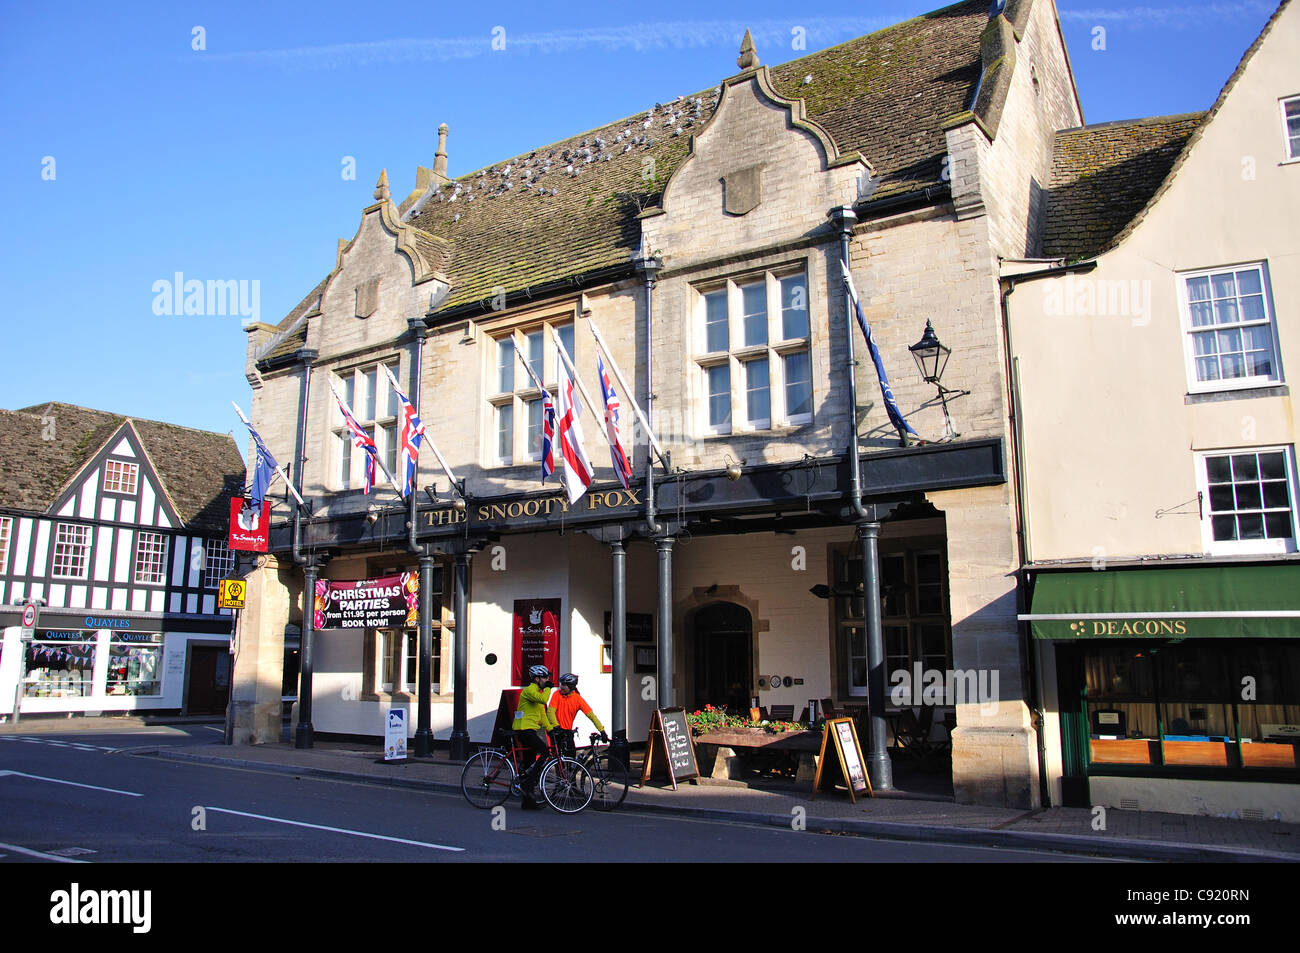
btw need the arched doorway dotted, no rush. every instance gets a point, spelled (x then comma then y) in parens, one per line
(724, 656)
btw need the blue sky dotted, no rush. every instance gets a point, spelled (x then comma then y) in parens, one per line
(129, 155)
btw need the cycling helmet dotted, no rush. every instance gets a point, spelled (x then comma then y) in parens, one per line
(539, 671)
(569, 679)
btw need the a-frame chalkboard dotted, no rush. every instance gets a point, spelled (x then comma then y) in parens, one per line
(847, 766)
(669, 747)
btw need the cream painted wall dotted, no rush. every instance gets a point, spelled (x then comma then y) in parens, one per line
(1109, 438)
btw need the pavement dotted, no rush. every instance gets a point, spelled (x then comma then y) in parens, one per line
(927, 817)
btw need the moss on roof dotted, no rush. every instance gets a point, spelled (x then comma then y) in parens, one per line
(1104, 175)
(570, 208)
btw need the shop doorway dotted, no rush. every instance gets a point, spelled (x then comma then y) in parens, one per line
(209, 680)
(724, 656)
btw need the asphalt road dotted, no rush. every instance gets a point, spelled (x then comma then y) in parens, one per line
(72, 796)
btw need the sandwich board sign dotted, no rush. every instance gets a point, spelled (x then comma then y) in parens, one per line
(840, 761)
(395, 735)
(669, 743)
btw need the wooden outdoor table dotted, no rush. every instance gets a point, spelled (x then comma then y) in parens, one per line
(754, 748)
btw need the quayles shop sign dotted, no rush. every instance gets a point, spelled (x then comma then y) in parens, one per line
(540, 509)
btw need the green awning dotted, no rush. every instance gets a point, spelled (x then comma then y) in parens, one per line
(1197, 602)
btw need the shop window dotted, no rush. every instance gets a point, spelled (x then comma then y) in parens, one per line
(1248, 501)
(134, 668)
(71, 551)
(120, 477)
(1228, 320)
(6, 528)
(390, 657)
(1291, 127)
(218, 562)
(753, 353)
(914, 616)
(1197, 704)
(514, 398)
(374, 404)
(150, 558)
(60, 665)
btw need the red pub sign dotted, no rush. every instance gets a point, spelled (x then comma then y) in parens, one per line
(536, 640)
(250, 530)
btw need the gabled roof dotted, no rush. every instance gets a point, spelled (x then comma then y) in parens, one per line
(200, 471)
(571, 208)
(1103, 175)
(1141, 170)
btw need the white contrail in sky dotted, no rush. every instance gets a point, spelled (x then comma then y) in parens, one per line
(777, 36)
(776, 40)
(1186, 15)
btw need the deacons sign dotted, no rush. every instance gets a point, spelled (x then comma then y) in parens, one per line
(390, 602)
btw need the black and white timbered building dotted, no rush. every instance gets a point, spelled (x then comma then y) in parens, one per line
(116, 528)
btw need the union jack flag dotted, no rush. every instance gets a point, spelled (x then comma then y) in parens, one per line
(622, 466)
(577, 468)
(361, 440)
(409, 437)
(548, 434)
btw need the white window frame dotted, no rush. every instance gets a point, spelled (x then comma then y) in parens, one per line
(218, 562)
(1248, 546)
(739, 356)
(69, 550)
(150, 558)
(6, 532)
(1196, 386)
(118, 484)
(349, 462)
(525, 393)
(1289, 154)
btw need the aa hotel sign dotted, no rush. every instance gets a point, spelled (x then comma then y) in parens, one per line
(540, 509)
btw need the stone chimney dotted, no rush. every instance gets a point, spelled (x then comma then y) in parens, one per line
(440, 157)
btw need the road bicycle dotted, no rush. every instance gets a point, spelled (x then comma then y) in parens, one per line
(491, 776)
(608, 772)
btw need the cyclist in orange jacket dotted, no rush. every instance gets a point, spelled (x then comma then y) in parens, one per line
(567, 703)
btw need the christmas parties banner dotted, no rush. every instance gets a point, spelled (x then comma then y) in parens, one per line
(391, 602)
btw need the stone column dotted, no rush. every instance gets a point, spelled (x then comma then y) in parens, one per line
(258, 677)
(994, 747)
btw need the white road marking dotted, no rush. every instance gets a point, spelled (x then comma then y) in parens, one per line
(210, 728)
(79, 745)
(336, 830)
(43, 856)
(75, 784)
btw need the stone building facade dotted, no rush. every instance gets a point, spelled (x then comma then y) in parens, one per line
(704, 239)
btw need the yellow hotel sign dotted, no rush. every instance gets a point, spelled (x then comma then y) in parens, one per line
(231, 594)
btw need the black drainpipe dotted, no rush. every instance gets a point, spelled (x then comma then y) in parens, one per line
(1022, 544)
(303, 737)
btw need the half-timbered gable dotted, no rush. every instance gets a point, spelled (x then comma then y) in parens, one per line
(114, 525)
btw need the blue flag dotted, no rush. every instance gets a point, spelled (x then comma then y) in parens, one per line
(891, 406)
(263, 470)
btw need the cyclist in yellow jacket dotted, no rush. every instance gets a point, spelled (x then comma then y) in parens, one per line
(533, 721)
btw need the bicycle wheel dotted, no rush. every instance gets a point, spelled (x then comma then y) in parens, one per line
(566, 785)
(487, 779)
(610, 777)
